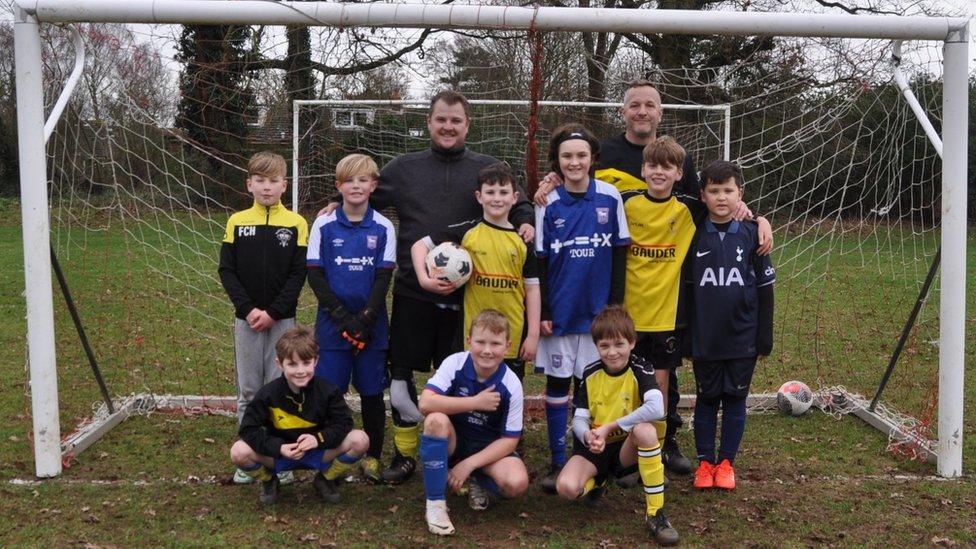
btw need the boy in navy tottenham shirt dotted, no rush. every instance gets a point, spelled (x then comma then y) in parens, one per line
(473, 405)
(731, 312)
(351, 256)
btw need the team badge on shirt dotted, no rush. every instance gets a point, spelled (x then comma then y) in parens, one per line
(284, 237)
(371, 240)
(603, 216)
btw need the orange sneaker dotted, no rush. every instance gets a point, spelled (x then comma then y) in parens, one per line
(705, 476)
(725, 476)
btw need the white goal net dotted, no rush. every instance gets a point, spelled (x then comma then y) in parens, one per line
(832, 155)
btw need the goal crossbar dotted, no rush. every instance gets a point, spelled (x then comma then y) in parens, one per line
(30, 14)
(255, 12)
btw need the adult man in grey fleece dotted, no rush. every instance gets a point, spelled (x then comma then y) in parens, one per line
(429, 190)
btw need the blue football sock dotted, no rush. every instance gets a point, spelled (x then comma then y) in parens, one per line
(733, 426)
(557, 417)
(706, 423)
(433, 455)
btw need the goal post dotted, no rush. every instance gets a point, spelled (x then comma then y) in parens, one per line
(31, 14)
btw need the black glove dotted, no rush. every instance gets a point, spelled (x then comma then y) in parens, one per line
(358, 330)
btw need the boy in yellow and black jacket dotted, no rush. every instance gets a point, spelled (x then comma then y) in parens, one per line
(262, 269)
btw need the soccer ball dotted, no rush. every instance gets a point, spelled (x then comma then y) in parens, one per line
(794, 398)
(449, 262)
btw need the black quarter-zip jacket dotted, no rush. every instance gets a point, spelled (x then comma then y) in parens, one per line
(431, 190)
(262, 260)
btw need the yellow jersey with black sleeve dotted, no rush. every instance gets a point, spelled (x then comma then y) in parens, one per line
(503, 265)
(661, 231)
(262, 260)
(604, 397)
(277, 415)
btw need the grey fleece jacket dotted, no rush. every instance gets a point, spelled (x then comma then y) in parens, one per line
(430, 190)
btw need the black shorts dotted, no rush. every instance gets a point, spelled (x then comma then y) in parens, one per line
(732, 377)
(607, 463)
(422, 333)
(662, 350)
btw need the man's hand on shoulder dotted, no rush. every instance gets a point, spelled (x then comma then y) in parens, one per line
(527, 232)
(329, 208)
(487, 400)
(765, 236)
(548, 183)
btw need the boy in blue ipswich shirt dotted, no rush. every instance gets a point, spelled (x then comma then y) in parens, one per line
(731, 312)
(298, 421)
(262, 269)
(351, 256)
(473, 405)
(581, 241)
(615, 405)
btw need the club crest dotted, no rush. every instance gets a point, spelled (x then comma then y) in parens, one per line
(603, 216)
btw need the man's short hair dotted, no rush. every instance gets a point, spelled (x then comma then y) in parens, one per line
(612, 322)
(718, 171)
(491, 320)
(664, 151)
(267, 164)
(450, 98)
(640, 83)
(356, 164)
(499, 173)
(572, 131)
(298, 341)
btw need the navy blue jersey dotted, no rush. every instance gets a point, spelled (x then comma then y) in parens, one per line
(350, 254)
(725, 272)
(457, 377)
(577, 237)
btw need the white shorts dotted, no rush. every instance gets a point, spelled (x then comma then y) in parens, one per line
(565, 356)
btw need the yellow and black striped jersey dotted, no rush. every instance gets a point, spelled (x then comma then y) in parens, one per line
(661, 232)
(604, 397)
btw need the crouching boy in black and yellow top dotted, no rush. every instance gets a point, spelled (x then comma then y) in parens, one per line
(615, 405)
(298, 421)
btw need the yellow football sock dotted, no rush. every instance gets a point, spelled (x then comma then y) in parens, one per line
(652, 477)
(405, 439)
(661, 427)
(588, 486)
(339, 469)
(261, 473)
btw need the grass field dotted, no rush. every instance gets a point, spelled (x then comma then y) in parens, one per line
(164, 479)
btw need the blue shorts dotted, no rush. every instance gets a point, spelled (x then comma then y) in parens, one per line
(311, 460)
(367, 370)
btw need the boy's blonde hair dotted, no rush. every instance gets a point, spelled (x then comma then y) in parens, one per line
(356, 164)
(664, 151)
(297, 341)
(491, 320)
(613, 321)
(267, 164)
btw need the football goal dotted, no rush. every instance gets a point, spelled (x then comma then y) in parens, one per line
(858, 161)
